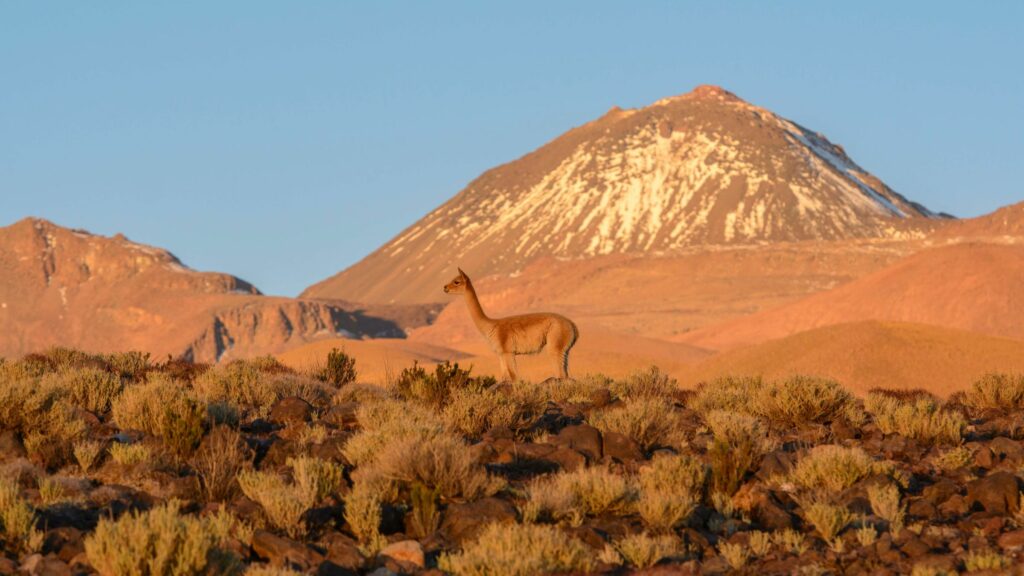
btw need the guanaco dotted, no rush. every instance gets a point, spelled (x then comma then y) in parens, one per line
(509, 337)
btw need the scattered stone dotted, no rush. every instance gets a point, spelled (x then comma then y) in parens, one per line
(464, 522)
(341, 415)
(291, 410)
(954, 507)
(406, 552)
(1013, 540)
(621, 448)
(49, 565)
(940, 491)
(343, 551)
(582, 438)
(1006, 452)
(600, 397)
(998, 492)
(281, 551)
(567, 459)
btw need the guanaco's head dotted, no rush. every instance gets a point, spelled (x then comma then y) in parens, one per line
(458, 284)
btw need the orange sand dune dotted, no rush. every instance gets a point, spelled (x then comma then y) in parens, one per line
(974, 287)
(865, 355)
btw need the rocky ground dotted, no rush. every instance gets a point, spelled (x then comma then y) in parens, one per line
(445, 473)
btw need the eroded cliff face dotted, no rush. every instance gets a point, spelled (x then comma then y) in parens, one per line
(72, 288)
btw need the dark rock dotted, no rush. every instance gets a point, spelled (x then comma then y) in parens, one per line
(582, 438)
(842, 430)
(291, 410)
(567, 459)
(921, 509)
(330, 449)
(8, 566)
(590, 536)
(118, 499)
(998, 492)
(776, 463)
(11, 446)
(940, 491)
(621, 448)
(65, 542)
(343, 551)
(341, 415)
(531, 451)
(771, 514)
(278, 453)
(1006, 451)
(1013, 540)
(258, 426)
(954, 506)
(915, 548)
(69, 515)
(499, 433)
(464, 522)
(324, 516)
(281, 551)
(328, 568)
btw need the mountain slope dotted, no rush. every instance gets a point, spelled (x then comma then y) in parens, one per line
(698, 169)
(872, 354)
(967, 286)
(69, 287)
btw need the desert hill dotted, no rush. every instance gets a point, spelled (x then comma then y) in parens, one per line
(704, 168)
(865, 355)
(967, 286)
(1004, 225)
(72, 288)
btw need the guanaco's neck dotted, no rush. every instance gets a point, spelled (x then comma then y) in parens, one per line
(475, 310)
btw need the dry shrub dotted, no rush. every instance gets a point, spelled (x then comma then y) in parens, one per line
(91, 389)
(731, 394)
(220, 458)
(387, 421)
(760, 543)
(363, 511)
(828, 519)
(790, 540)
(739, 442)
(519, 550)
(800, 400)
(735, 554)
(885, 502)
(644, 551)
(670, 487)
(144, 407)
(254, 386)
(579, 390)
(51, 439)
(417, 384)
(516, 406)
(86, 453)
(360, 394)
(268, 570)
(282, 503)
(161, 541)
(921, 419)
(572, 496)
(17, 520)
(130, 455)
(131, 366)
(649, 421)
(954, 459)
(997, 391)
(443, 461)
(832, 468)
(986, 560)
(649, 383)
(338, 370)
(315, 479)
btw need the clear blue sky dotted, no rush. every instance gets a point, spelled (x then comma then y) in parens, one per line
(283, 141)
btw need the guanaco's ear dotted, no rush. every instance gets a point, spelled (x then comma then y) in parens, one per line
(461, 272)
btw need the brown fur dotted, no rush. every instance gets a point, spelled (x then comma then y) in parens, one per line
(512, 336)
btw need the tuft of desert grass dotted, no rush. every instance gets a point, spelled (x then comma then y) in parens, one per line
(800, 400)
(146, 407)
(159, 541)
(130, 454)
(519, 550)
(282, 503)
(87, 453)
(649, 383)
(473, 411)
(572, 496)
(827, 518)
(735, 554)
(954, 459)
(832, 468)
(649, 421)
(790, 540)
(91, 389)
(885, 502)
(255, 385)
(315, 478)
(760, 543)
(732, 394)
(17, 520)
(386, 421)
(363, 513)
(435, 388)
(922, 419)
(670, 488)
(739, 442)
(643, 550)
(986, 560)
(442, 460)
(997, 391)
(220, 458)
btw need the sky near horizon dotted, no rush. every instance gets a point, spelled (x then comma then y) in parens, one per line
(282, 142)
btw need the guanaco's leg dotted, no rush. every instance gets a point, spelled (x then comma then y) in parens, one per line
(508, 363)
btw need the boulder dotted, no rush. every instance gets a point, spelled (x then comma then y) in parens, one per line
(998, 492)
(1013, 540)
(281, 551)
(464, 522)
(291, 410)
(621, 448)
(582, 438)
(343, 551)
